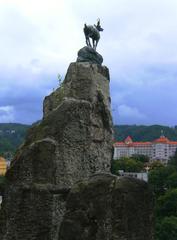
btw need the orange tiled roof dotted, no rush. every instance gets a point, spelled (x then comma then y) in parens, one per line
(142, 143)
(119, 143)
(162, 139)
(128, 142)
(132, 144)
(173, 142)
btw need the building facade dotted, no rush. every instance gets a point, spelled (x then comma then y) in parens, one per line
(139, 175)
(159, 149)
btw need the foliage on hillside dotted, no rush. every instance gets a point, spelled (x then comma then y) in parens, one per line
(2, 179)
(10, 140)
(11, 136)
(2, 184)
(143, 133)
(163, 181)
(136, 163)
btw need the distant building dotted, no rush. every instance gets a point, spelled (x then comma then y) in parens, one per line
(159, 149)
(139, 175)
(3, 166)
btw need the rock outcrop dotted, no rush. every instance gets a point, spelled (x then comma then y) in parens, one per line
(88, 54)
(120, 208)
(72, 142)
(59, 185)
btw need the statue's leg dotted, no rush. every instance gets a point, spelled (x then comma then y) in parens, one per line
(96, 44)
(86, 38)
(93, 43)
(89, 42)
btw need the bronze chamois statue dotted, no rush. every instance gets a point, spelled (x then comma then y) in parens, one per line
(92, 32)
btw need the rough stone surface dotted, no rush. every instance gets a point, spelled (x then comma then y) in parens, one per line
(106, 207)
(88, 54)
(73, 141)
(32, 212)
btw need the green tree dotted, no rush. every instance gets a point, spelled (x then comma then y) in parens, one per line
(127, 164)
(2, 179)
(171, 181)
(2, 184)
(155, 164)
(173, 160)
(167, 229)
(143, 133)
(140, 158)
(11, 136)
(167, 204)
(159, 179)
(163, 181)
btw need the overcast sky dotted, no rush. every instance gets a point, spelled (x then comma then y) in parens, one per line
(39, 38)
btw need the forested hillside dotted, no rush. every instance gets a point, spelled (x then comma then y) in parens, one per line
(144, 133)
(11, 136)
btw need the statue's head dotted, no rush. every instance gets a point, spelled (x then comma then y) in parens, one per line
(98, 26)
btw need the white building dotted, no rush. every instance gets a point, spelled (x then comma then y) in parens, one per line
(160, 149)
(139, 175)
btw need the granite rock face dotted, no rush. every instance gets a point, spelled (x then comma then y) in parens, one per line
(88, 54)
(106, 207)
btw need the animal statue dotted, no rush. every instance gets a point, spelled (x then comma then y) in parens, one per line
(93, 33)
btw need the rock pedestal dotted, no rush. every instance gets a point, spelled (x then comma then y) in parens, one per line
(49, 188)
(88, 54)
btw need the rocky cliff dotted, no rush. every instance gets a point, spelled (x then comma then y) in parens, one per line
(59, 184)
(106, 207)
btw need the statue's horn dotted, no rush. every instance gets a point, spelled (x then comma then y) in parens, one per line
(98, 20)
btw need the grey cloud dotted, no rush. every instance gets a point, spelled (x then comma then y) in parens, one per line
(26, 99)
(156, 97)
(138, 45)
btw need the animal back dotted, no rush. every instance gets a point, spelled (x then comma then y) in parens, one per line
(91, 32)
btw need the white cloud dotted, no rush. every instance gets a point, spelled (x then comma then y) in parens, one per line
(136, 32)
(6, 114)
(46, 30)
(127, 112)
(40, 38)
